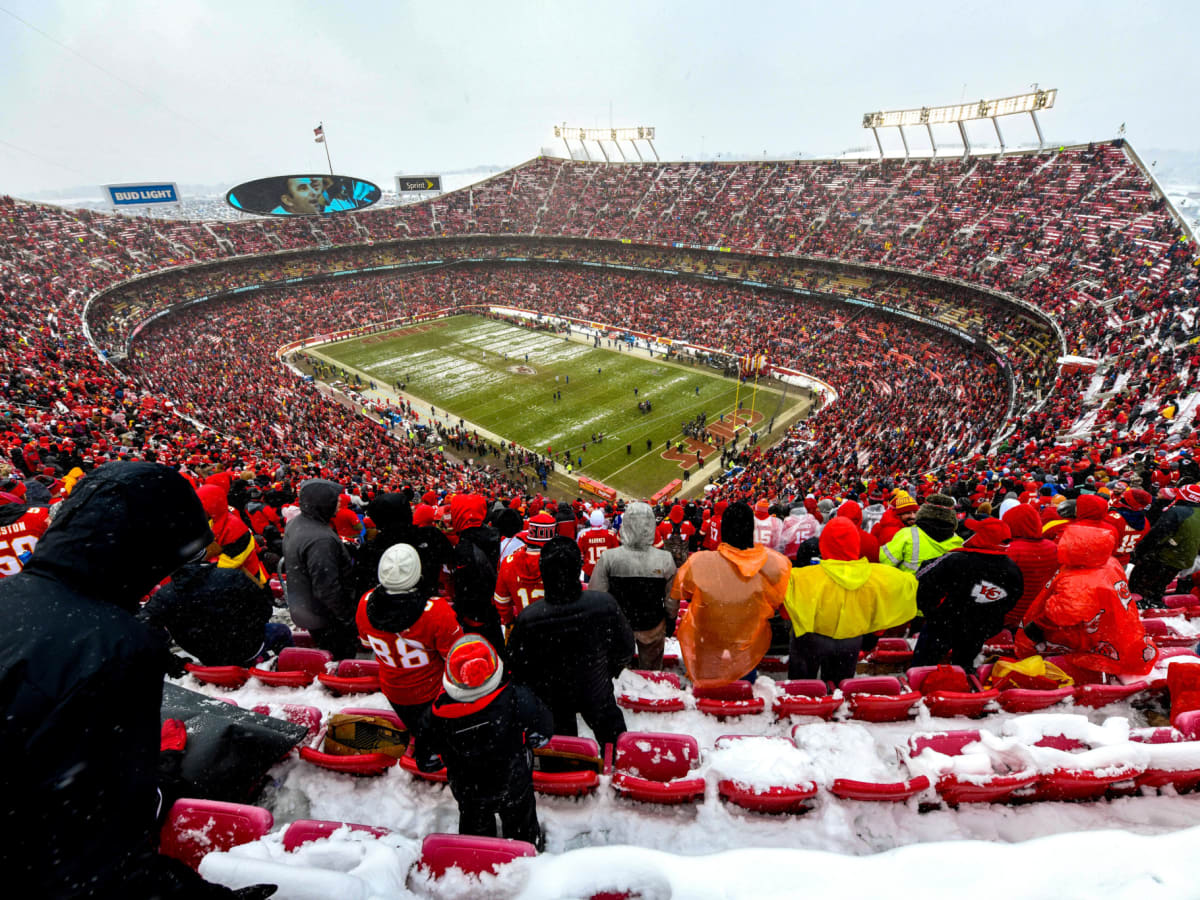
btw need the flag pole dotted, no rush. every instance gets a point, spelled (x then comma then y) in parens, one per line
(325, 140)
(736, 394)
(754, 396)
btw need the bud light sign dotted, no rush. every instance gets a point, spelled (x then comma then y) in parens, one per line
(142, 194)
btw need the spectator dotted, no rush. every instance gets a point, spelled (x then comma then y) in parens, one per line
(484, 728)
(931, 535)
(318, 569)
(233, 545)
(965, 594)
(834, 603)
(868, 547)
(798, 526)
(569, 647)
(476, 559)
(768, 529)
(732, 592)
(220, 616)
(1035, 556)
(411, 635)
(640, 577)
(392, 515)
(519, 582)
(901, 514)
(68, 753)
(1169, 547)
(21, 527)
(595, 541)
(674, 533)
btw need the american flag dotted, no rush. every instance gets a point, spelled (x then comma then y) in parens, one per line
(319, 134)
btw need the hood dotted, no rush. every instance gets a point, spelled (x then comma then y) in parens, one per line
(214, 501)
(390, 512)
(676, 514)
(319, 498)
(11, 512)
(560, 566)
(1023, 521)
(839, 539)
(126, 527)
(850, 574)
(1085, 545)
(637, 526)
(747, 562)
(1090, 506)
(467, 511)
(394, 612)
(852, 511)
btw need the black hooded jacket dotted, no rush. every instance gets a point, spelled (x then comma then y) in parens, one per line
(392, 516)
(81, 691)
(320, 586)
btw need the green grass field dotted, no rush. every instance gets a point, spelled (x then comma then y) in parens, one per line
(503, 378)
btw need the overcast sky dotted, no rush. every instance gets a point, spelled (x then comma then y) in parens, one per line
(220, 91)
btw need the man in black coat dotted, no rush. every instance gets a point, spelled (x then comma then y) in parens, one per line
(220, 616)
(476, 562)
(965, 594)
(81, 691)
(570, 646)
(320, 586)
(393, 518)
(485, 729)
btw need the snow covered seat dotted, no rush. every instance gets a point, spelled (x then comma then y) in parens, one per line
(762, 773)
(1022, 700)
(308, 716)
(1166, 636)
(653, 767)
(294, 667)
(304, 830)
(1167, 657)
(733, 699)
(1180, 601)
(567, 766)
(879, 698)
(1079, 760)
(353, 676)
(890, 791)
(805, 697)
(953, 692)
(892, 651)
(1174, 754)
(358, 762)
(773, 663)
(1097, 695)
(648, 691)
(983, 784)
(1177, 612)
(221, 676)
(473, 855)
(195, 828)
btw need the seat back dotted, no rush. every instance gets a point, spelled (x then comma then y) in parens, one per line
(735, 690)
(661, 677)
(658, 756)
(950, 743)
(887, 685)
(389, 714)
(304, 830)
(474, 855)
(303, 659)
(358, 668)
(195, 828)
(804, 687)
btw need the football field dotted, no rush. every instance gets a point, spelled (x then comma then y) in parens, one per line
(542, 391)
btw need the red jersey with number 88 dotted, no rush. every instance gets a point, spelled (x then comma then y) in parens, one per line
(412, 662)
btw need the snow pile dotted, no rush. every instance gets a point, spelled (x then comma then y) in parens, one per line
(760, 763)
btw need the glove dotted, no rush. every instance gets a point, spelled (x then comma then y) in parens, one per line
(427, 761)
(176, 666)
(536, 740)
(174, 735)
(256, 891)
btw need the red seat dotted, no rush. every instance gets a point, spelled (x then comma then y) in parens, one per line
(221, 676)
(955, 789)
(1020, 700)
(308, 716)
(356, 764)
(890, 791)
(733, 699)
(891, 651)
(970, 703)
(879, 698)
(653, 767)
(304, 830)
(653, 704)
(473, 855)
(1166, 636)
(195, 828)
(779, 798)
(295, 667)
(581, 780)
(354, 676)
(408, 762)
(1180, 601)
(804, 697)
(1084, 784)
(1097, 695)
(1001, 644)
(771, 663)
(302, 638)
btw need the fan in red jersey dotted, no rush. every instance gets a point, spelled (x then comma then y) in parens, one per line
(21, 527)
(410, 634)
(595, 541)
(519, 581)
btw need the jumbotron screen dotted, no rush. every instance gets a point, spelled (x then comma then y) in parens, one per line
(303, 195)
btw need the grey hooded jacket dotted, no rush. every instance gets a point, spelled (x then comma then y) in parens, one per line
(638, 575)
(320, 589)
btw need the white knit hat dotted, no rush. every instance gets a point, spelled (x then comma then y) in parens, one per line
(596, 519)
(399, 569)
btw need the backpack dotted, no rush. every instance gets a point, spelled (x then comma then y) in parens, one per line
(676, 544)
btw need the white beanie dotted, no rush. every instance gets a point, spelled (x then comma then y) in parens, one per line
(596, 519)
(399, 569)
(1006, 505)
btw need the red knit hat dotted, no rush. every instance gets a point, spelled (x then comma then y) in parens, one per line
(540, 529)
(473, 669)
(990, 535)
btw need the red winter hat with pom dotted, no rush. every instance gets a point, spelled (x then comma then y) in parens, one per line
(473, 670)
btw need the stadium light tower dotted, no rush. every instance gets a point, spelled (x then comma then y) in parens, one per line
(612, 135)
(959, 113)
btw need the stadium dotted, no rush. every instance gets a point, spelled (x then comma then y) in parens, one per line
(1002, 328)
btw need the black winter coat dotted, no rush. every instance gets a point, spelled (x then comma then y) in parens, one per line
(81, 691)
(217, 615)
(485, 743)
(476, 563)
(569, 651)
(320, 586)
(969, 592)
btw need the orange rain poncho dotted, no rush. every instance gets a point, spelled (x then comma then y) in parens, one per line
(731, 594)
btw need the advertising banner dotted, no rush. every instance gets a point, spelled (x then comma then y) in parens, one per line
(142, 194)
